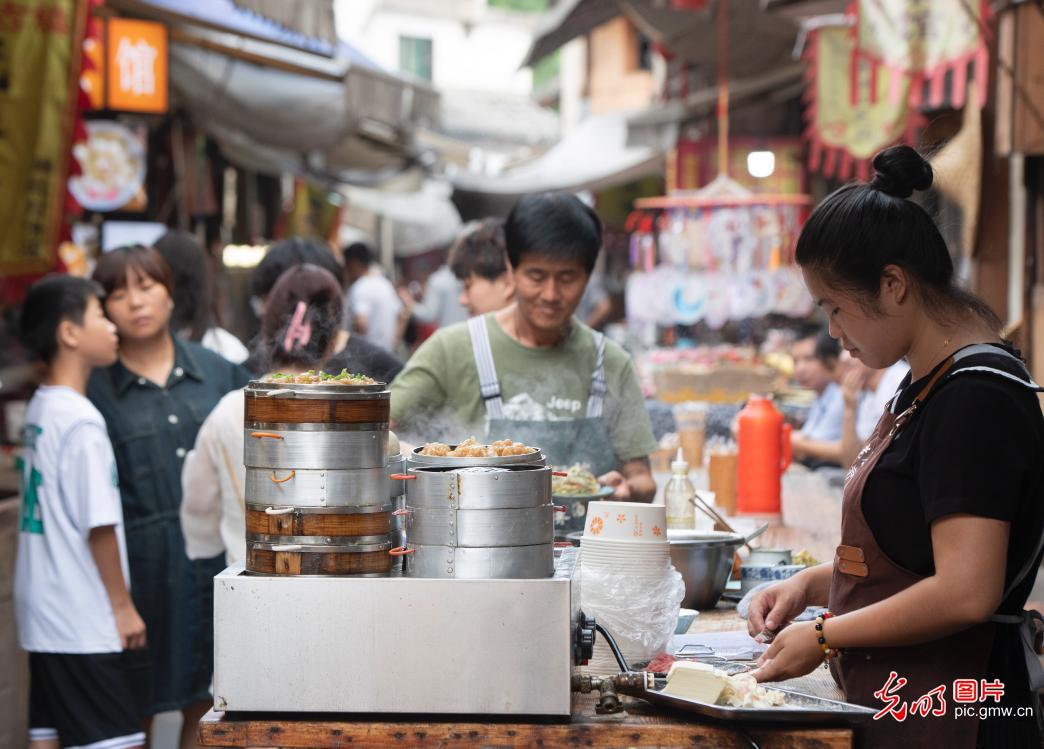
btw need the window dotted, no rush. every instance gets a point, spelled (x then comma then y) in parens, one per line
(415, 56)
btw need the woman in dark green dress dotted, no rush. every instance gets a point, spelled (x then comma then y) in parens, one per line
(154, 400)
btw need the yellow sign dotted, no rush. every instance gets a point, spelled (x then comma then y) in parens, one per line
(37, 64)
(136, 66)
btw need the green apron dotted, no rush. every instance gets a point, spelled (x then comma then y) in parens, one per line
(565, 441)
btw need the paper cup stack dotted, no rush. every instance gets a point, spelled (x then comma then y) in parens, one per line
(627, 578)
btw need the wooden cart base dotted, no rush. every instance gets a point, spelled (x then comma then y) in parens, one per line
(641, 725)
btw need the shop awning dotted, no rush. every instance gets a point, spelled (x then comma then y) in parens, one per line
(277, 102)
(595, 156)
(228, 17)
(421, 219)
(758, 41)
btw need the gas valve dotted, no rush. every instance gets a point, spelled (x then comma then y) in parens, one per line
(584, 639)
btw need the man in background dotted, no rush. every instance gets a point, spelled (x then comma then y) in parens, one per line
(817, 367)
(372, 304)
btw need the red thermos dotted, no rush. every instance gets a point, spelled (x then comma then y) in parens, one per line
(764, 453)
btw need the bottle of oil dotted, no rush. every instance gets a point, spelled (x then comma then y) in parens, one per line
(678, 496)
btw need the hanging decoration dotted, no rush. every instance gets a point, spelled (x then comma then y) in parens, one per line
(923, 41)
(850, 118)
(867, 80)
(721, 253)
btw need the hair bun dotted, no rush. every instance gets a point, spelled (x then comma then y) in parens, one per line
(899, 171)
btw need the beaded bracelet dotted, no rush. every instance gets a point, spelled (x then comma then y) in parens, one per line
(828, 652)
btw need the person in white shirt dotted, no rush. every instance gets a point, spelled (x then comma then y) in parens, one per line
(866, 393)
(73, 607)
(373, 305)
(213, 507)
(441, 303)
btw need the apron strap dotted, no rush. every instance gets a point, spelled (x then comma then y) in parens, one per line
(489, 385)
(596, 395)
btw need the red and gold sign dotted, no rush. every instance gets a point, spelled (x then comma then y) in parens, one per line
(39, 64)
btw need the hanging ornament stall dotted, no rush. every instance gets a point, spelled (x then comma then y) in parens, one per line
(721, 252)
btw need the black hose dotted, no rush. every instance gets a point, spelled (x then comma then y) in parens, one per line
(612, 646)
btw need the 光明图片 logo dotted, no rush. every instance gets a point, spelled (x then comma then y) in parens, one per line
(971, 698)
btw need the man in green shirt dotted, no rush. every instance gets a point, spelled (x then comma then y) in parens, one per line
(532, 372)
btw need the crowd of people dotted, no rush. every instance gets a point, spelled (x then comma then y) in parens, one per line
(133, 458)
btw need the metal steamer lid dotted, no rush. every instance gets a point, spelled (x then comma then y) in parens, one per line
(531, 458)
(265, 389)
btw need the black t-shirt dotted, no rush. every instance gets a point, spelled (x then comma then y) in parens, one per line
(359, 356)
(975, 447)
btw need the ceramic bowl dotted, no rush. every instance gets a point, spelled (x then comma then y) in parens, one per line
(766, 557)
(755, 574)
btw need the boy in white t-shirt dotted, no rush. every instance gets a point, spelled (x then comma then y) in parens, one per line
(72, 600)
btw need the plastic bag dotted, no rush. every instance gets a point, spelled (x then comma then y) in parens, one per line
(639, 611)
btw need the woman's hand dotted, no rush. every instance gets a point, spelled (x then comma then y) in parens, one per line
(795, 652)
(773, 607)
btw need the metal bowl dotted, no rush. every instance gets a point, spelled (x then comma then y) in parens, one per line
(704, 565)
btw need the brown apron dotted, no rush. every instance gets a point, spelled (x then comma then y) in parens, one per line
(864, 575)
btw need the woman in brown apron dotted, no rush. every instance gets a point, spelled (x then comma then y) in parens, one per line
(943, 511)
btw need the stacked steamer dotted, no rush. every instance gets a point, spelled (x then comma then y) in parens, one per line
(479, 517)
(319, 500)
(628, 583)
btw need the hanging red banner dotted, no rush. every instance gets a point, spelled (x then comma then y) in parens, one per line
(38, 97)
(867, 81)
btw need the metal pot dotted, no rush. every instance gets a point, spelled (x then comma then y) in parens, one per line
(516, 562)
(416, 460)
(319, 488)
(705, 565)
(325, 488)
(479, 487)
(317, 447)
(480, 528)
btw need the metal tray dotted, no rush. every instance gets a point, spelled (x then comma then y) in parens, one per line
(799, 708)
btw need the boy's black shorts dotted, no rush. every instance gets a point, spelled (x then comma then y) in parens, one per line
(89, 700)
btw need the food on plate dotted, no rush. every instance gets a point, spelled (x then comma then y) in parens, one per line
(470, 448)
(311, 377)
(578, 481)
(805, 557)
(704, 683)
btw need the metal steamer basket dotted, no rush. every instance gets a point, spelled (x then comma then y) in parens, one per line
(315, 427)
(318, 492)
(479, 521)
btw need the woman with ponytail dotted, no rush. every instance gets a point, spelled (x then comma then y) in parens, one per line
(943, 511)
(298, 332)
